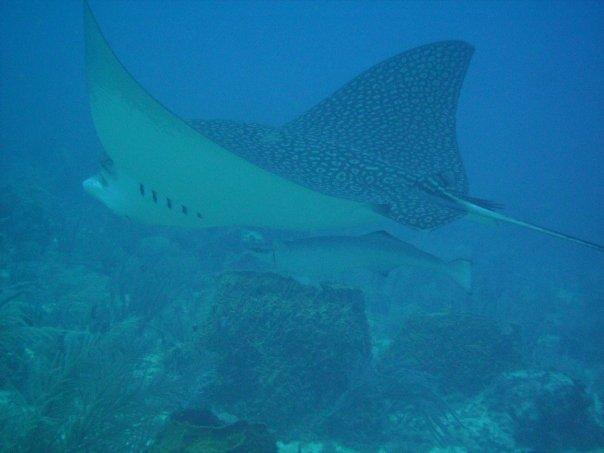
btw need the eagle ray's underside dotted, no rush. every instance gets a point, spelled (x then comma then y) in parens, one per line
(384, 145)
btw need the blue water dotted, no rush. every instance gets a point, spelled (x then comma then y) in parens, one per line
(87, 297)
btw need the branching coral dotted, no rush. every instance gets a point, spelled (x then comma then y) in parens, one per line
(78, 374)
(13, 330)
(87, 395)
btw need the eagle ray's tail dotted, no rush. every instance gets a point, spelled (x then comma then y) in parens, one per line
(481, 209)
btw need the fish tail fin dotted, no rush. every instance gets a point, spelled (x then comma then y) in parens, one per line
(461, 271)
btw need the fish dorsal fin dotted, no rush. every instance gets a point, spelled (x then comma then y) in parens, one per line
(379, 235)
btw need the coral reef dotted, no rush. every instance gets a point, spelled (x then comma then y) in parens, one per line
(28, 218)
(463, 352)
(106, 327)
(396, 407)
(79, 391)
(78, 370)
(285, 352)
(201, 432)
(529, 410)
(549, 411)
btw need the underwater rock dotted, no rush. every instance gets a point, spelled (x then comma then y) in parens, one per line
(29, 222)
(399, 410)
(549, 411)
(71, 297)
(314, 447)
(158, 272)
(476, 428)
(197, 417)
(463, 352)
(200, 431)
(527, 411)
(284, 351)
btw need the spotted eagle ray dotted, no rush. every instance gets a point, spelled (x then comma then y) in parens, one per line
(382, 146)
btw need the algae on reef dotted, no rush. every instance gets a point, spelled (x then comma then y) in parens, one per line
(550, 411)
(463, 352)
(285, 352)
(238, 437)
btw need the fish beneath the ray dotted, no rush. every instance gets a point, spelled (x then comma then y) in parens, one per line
(330, 257)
